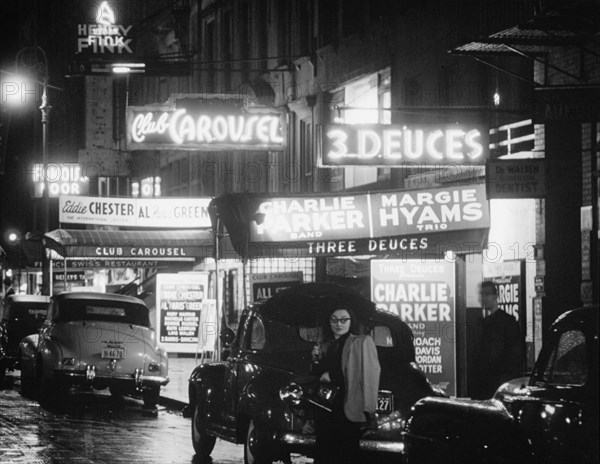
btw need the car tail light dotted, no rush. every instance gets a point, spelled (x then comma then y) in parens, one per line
(68, 361)
(153, 367)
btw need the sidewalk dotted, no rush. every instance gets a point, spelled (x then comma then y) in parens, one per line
(175, 393)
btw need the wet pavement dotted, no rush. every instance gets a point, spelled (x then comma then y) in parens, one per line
(97, 428)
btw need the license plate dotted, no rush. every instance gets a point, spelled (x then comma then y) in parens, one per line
(385, 401)
(113, 353)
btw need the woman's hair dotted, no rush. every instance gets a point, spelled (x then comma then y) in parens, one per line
(328, 333)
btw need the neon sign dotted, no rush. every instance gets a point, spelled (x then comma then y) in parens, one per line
(105, 36)
(61, 178)
(149, 128)
(396, 145)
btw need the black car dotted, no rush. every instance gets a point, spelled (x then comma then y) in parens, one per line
(551, 417)
(260, 394)
(22, 316)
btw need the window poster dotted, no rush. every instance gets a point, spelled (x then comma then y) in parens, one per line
(422, 293)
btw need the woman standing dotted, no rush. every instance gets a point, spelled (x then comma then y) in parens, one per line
(349, 362)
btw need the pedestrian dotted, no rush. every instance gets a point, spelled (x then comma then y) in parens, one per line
(499, 351)
(347, 363)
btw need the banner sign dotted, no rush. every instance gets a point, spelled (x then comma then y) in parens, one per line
(519, 178)
(393, 222)
(180, 300)
(422, 293)
(174, 253)
(509, 278)
(265, 286)
(399, 145)
(91, 263)
(210, 125)
(163, 213)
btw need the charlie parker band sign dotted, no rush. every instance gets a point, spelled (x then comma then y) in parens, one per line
(398, 221)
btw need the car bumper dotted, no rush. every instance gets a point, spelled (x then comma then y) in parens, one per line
(305, 441)
(87, 377)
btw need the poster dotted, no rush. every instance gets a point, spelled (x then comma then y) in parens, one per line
(422, 293)
(265, 286)
(180, 300)
(509, 278)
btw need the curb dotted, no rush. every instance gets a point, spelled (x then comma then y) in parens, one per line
(172, 403)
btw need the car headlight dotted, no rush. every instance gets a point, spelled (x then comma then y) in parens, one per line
(153, 367)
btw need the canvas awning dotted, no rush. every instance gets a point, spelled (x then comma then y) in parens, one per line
(398, 223)
(166, 245)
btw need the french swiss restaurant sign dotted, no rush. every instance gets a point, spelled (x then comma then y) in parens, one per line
(422, 294)
(399, 221)
(161, 213)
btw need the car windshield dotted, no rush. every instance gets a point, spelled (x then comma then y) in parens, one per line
(103, 310)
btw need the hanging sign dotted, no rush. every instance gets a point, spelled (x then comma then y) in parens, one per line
(161, 213)
(105, 36)
(180, 300)
(205, 126)
(422, 294)
(390, 222)
(399, 145)
(61, 179)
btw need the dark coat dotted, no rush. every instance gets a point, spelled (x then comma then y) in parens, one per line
(498, 355)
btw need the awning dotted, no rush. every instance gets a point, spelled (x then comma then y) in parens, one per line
(570, 25)
(425, 223)
(166, 245)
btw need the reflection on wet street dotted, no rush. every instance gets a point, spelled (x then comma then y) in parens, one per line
(95, 428)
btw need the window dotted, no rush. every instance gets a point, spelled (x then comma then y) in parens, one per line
(257, 338)
(568, 361)
(382, 336)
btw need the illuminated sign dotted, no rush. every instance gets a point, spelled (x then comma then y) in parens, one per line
(61, 178)
(371, 215)
(152, 128)
(164, 213)
(105, 36)
(398, 145)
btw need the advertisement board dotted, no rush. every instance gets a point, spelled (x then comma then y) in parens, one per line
(180, 301)
(391, 222)
(520, 178)
(422, 293)
(163, 213)
(265, 286)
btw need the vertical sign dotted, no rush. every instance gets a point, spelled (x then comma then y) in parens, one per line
(265, 286)
(422, 293)
(179, 304)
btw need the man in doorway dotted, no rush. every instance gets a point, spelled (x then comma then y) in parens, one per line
(499, 350)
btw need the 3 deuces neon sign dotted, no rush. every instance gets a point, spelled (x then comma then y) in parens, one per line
(397, 145)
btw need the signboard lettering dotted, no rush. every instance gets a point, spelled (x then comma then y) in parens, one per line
(61, 179)
(522, 178)
(395, 145)
(136, 212)
(422, 294)
(265, 286)
(105, 36)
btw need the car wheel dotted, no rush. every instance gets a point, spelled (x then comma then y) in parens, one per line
(203, 443)
(255, 451)
(150, 397)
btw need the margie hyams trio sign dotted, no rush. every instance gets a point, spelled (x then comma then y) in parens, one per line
(160, 128)
(355, 223)
(396, 144)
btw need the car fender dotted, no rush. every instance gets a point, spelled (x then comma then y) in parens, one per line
(50, 354)
(455, 430)
(28, 354)
(260, 400)
(206, 381)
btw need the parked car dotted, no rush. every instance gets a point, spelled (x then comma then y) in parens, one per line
(22, 315)
(250, 398)
(94, 340)
(551, 417)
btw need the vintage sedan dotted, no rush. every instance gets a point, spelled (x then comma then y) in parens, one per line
(94, 340)
(22, 316)
(261, 394)
(551, 417)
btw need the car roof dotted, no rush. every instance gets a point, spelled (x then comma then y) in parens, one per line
(586, 316)
(28, 299)
(75, 295)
